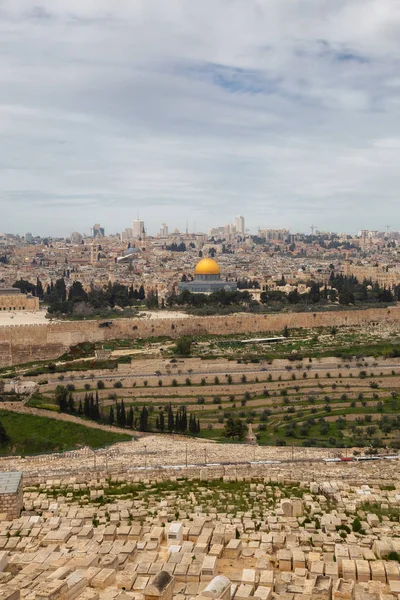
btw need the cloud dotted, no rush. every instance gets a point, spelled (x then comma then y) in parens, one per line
(285, 111)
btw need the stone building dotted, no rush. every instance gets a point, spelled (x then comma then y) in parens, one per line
(207, 279)
(12, 299)
(380, 274)
(11, 495)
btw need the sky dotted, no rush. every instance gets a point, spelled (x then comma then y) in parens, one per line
(285, 111)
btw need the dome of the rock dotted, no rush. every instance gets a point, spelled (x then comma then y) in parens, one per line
(207, 266)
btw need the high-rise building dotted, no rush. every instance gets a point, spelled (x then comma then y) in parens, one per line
(98, 232)
(127, 234)
(239, 224)
(29, 238)
(76, 237)
(274, 234)
(138, 229)
(164, 230)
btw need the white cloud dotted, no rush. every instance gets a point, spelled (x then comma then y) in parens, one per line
(286, 111)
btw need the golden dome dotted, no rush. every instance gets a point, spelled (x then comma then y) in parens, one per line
(207, 266)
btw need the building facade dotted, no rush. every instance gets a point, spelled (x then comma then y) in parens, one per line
(138, 228)
(239, 225)
(13, 299)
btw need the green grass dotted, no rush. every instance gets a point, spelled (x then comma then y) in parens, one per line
(35, 435)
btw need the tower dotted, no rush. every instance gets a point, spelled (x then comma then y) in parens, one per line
(98, 231)
(239, 225)
(138, 228)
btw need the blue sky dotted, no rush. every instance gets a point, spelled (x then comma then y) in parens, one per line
(284, 111)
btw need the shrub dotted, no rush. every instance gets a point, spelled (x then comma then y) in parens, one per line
(357, 525)
(393, 556)
(118, 384)
(100, 385)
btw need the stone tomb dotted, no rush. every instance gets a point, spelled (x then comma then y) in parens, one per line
(11, 495)
(160, 587)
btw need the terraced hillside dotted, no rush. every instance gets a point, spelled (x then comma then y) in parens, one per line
(322, 402)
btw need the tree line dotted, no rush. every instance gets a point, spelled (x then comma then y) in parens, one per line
(62, 301)
(91, 408)
(219, 298)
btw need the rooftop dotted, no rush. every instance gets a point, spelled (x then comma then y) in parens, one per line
(9, 482)
(9, 291)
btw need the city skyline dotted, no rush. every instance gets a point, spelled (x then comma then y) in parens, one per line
(218, 230)
(193, 112)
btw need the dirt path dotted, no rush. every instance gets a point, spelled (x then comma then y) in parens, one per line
(38, 412)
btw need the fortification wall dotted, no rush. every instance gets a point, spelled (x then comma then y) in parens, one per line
(24, 343)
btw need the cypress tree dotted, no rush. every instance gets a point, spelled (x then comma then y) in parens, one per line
(184, 421)
(4, 437)
(96, 408)
(71, 403)
(122, 418)
(162, 421)
(129, 418)
(170, 418)
(86, 406)
(91, 407)
(144, 418)
(178, 420)
(111, 416)
(62, 398)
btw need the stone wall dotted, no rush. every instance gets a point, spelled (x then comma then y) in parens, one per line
(25, 343)
(352, 473)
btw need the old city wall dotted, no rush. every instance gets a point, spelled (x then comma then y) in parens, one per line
(25, 343)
